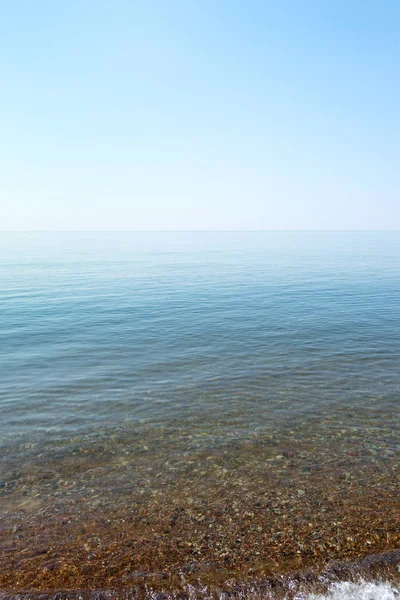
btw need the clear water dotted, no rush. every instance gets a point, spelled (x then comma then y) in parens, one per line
(252, 372)
(230, 332)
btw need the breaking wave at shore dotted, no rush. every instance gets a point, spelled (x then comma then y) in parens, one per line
(347, 590)
(371, 578)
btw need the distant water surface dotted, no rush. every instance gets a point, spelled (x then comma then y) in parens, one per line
(252, 330)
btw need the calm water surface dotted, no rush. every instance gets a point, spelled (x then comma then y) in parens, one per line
(227, 402)
(216, 334)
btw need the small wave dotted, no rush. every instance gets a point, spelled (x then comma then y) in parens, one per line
(374, 577)
(364, 590)
(344, 590)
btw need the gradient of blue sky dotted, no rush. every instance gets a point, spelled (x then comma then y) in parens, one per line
(211, 114)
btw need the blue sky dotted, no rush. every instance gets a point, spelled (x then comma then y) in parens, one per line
(211, 114)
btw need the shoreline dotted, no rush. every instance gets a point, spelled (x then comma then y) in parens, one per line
(381, 568)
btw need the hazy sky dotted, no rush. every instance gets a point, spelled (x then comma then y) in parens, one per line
(200, 114)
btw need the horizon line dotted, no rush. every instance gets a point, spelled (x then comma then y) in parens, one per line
(199, 230)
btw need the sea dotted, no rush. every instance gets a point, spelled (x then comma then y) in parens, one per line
(168, 345)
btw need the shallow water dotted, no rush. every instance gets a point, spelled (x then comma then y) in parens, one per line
(140, 363)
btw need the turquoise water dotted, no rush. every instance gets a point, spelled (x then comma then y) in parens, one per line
(253, 331)
(235, 394)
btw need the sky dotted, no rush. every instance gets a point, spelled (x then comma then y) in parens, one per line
(200, 115)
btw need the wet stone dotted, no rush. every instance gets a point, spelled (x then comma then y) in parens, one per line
(236, 507)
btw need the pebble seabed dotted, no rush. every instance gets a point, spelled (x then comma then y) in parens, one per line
(266, 517)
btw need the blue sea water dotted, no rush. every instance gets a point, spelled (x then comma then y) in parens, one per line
(246, 330)
(205, 371)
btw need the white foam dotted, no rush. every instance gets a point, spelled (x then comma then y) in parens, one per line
(347, 590)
